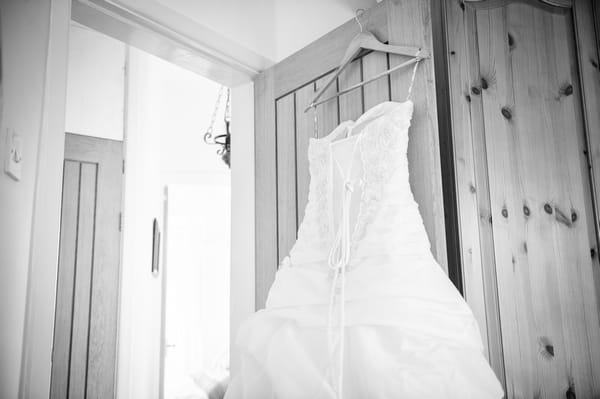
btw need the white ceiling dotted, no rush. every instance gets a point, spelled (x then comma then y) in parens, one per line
(272, 29)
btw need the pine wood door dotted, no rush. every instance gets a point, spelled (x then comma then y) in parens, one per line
(282, 128)
(525, 89)
(85, 329)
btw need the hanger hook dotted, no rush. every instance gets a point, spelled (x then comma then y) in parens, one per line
(359, 12)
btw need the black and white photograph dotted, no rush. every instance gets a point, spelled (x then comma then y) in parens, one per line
(283, 199)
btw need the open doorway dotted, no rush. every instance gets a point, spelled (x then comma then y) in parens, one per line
(171, 296)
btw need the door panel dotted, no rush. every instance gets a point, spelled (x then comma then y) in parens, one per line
(351, 104)
(286, 172)
(64, 291)
(83, 278)
(83, 363)
(379, 90)
(283, 128)
(527, 173)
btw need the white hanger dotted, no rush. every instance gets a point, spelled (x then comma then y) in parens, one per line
(366, 40)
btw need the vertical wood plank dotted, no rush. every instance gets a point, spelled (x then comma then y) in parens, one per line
(573, 262)
(327, 113)
(463, 154)
(105, 274)
(507, 199)
(447, 161)
(409, 23)
(66, 276)
(473, 195)
(304, 130)
(83, 280)
(351, 104)
(485, 218)
(584, 64)
(379, 90)
(265, 186)
(588, 57)
(286, 174)
(466, 182)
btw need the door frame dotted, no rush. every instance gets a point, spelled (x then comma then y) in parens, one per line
(463, 115)
(235, 69)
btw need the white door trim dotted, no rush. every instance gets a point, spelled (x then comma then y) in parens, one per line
(239, 68)
(43, 256)
(189, 44)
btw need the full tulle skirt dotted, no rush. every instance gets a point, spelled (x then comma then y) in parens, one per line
(407, 334)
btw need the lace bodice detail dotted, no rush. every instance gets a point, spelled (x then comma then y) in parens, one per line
(385, 203)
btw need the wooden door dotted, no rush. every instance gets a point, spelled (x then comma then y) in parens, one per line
(84, 352)
(283, 129)
(524, 91)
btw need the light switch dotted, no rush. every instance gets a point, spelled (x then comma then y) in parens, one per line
(14, 156)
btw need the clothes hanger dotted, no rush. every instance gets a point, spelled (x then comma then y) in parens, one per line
(366, 40)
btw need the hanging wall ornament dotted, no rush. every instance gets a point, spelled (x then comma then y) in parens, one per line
(223, 140)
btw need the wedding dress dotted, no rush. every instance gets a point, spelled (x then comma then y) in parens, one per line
(360, 308)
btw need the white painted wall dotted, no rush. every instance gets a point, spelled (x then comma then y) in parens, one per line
(34, 81)
(298, 23)
(96, 84)
(272, 29)
(24, 47)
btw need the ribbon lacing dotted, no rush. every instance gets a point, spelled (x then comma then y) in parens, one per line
(339, 259)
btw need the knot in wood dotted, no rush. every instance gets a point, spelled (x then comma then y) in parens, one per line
(568, 90)
(506, 112)
(511, 41)
(484, 84)
(505, 212)
(526, 210)
(475, 90)
(548, 209)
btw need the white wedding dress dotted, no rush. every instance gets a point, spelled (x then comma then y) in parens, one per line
(361, 309)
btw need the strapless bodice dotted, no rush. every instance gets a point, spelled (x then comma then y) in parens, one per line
(383, 215)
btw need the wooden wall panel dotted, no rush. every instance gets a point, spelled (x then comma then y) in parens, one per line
(521, 176)
(286, 174)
